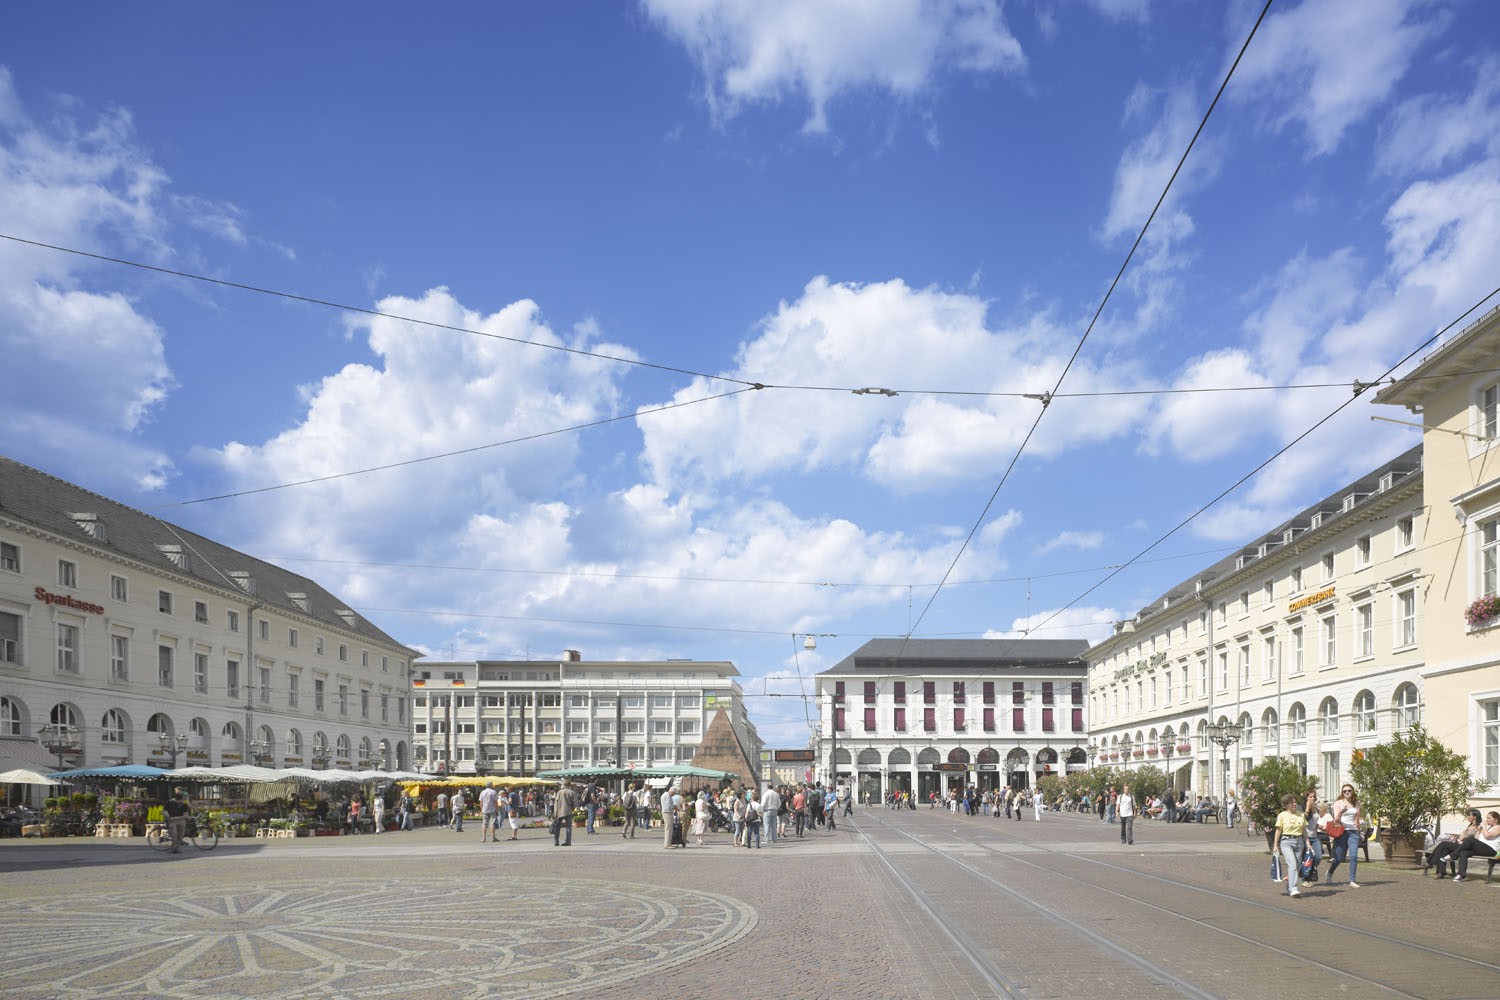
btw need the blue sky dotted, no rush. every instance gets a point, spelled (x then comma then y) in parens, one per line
(931, 197)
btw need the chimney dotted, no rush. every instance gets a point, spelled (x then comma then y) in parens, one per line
(572, 656)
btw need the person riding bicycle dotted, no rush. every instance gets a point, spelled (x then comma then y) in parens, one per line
(177, 818)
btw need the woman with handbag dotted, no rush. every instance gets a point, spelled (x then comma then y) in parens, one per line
(1343, 833)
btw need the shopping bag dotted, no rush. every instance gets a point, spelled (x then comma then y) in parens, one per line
(1276, 867)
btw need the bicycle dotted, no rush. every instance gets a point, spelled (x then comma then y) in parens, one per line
(201, 835)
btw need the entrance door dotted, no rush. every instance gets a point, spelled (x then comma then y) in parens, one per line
(869, 786)
(927, 783)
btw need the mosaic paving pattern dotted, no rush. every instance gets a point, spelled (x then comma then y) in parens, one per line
(367, 938)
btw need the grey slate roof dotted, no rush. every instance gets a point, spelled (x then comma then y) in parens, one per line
(961, 656)
(33, 497)
(1402, 467)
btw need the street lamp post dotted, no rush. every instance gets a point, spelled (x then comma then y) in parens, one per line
(1225, 735)
(1093, 751)
(1168, 747)
(260, 752)
(59, 741)
(173, 746)
(1125, 752)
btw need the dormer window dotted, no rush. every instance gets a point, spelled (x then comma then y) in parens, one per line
(91, 525)
(299, 601)
(243, 580)
(174, 555)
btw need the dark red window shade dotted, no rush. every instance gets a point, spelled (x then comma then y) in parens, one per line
(989, 719)
(1077, 706)
(838, 706)
(900, 720)
(989, 692)
(1047, 725)
(869, 692)
(929, 692)
(929, 719)
(958, 718)
(900, 692)
(1018, 706)
(870, 720)
(958, 692)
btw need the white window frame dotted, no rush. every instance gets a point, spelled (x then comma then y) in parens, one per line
(1328, 640)
(119, 657)
(67, 574)
(1268, 650)
(1364, 630)
(1404, 618)
(119, 588)
(200, 672)
(68, 641)
(10, 557)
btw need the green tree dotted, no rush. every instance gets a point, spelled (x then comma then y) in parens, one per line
(1146, 782)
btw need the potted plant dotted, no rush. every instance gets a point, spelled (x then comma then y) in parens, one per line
(1482, 611)
(1407, 785)
(1184, 747)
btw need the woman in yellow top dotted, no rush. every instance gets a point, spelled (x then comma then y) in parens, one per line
(1291, 826)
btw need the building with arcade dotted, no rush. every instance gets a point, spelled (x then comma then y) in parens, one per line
(928, 716)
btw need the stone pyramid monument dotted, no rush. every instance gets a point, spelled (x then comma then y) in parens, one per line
(722, 750)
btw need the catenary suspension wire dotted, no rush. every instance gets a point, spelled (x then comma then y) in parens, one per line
(451, 454)
(1273, 457)
(365, 311)
(1021, 448)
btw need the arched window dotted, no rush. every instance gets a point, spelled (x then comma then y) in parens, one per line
(199, 728)
(1328, 714)
(901, 756)
(159, 724)
(293, 743)
(1247, 731)
(1408, 705)
(1364, 712)
(112, 727)
(1296, 718)
(10, 717)
(958, 755)
(343, 747)
(364, 749)
(1268, 724)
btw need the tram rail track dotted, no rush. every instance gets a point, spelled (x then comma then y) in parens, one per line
(1159, 913)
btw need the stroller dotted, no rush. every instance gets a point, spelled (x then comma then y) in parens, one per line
(718, 819)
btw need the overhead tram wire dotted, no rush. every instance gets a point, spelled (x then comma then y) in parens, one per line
(1046, 398)
(749, 384)
(378, 314)
(1274, 456)
(451, 454)
(661, 577)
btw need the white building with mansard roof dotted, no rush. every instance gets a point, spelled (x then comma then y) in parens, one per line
(124, 638)
(1306, 643)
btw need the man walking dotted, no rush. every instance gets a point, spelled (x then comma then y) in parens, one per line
(770, 807)
(489, 814)
(513, 812)
(176, 809)
(1125, 808)
(627, 802)
(459, 804)
(562, 815)
(442, 808)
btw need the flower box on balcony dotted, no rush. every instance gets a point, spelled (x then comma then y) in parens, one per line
(1138, 753)
(1184, 748)
(1151, 751)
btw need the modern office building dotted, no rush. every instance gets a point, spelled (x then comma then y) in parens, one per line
(933, 715)
(1307, 642)
(1455, 393)
(518, 717)
(124, 638)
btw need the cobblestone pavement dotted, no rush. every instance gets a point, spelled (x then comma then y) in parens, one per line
(437, 914)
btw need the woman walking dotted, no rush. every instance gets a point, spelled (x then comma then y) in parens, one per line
(1291, 827)
(700, 818)
(1346, 845)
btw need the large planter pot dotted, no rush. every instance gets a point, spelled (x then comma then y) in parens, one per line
(1402, 850)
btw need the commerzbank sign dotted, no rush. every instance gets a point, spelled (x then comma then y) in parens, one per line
(1326, 594)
